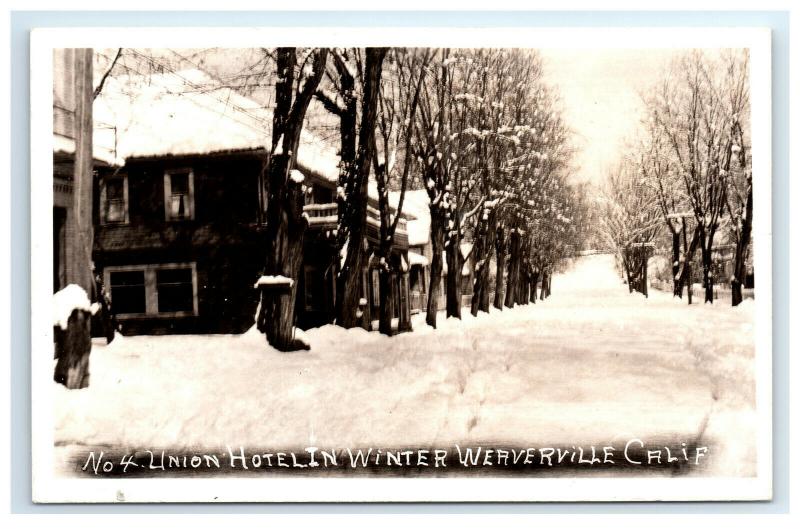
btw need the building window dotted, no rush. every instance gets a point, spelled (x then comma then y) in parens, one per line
(114, 200)
(175, 290)
(167, 290)
(128, 291)
(179, 194)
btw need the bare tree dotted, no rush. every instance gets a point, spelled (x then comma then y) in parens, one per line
(460, 166)
(740, 191)
(432, 157)
(296, 84)
(492, 145)
(630, 222)
(398, 102)
(696, 120)
(355, 74)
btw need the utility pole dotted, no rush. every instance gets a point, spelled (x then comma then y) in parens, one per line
(83, 173)
(74, 344)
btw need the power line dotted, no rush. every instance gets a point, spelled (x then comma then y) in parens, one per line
(186, 81)
(202, 90)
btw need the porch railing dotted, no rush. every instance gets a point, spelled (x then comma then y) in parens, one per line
(326, 214)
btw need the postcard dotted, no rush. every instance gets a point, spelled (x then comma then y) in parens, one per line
(401, 264)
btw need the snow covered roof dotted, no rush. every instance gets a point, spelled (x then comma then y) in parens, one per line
(179, 113)
(415, 258)
(190, 113)
(415, 207)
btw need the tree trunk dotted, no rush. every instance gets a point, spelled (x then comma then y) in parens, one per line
(525, 273)
(501, 249)
(386, 299)
(512, 286)
(687, 272)
(706, 246)
(483, 249)
(742, 247)
(625, 266)
(73, 347)
(543, 290)
(676, 263)
(708, 275)
(524, 287)
(688, 255)
(534, 282)
(349, 286)
(351, 209)
(644, 272)
(453, 286)
(286, 224)
(437, 247)
(286, 227)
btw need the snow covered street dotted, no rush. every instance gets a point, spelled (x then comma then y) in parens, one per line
(591, 364)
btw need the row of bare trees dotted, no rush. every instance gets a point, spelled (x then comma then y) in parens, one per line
(690, 176)
(491, 152)
(477, 129)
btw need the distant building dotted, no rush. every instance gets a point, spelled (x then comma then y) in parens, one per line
(420, 253)
(722, 258)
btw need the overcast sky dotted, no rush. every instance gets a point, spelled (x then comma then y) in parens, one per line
(600, 91)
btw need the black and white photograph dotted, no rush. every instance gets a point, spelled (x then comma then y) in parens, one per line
(399, 265)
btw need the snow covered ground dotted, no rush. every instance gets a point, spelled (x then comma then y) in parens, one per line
(591, 364)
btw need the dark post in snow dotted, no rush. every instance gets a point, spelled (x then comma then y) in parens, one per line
(73, 345)
(285, 222)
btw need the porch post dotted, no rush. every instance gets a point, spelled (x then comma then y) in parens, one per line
(404, 323)
(366, 295)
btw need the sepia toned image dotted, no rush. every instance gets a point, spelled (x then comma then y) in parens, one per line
(485, 265)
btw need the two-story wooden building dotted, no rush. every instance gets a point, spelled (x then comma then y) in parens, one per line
(179, 220)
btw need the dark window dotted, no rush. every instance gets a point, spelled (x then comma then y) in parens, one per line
(175, 291)
(415, 279)
(128, 292)
(179, 207)
(321, 195)
(115, 200)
